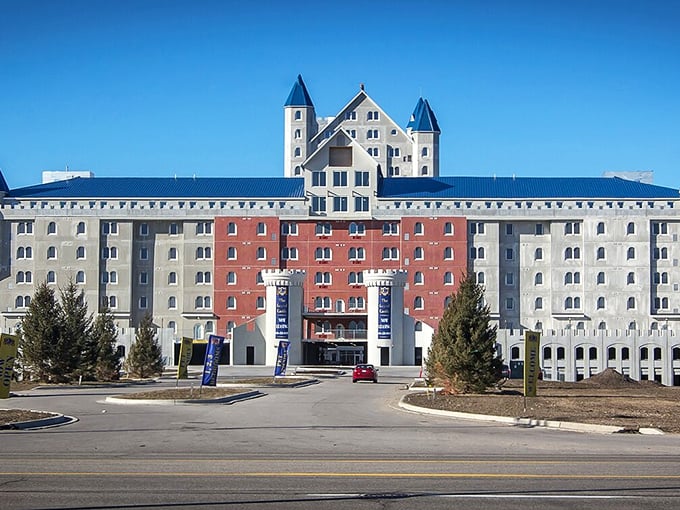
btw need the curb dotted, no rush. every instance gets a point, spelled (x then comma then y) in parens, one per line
(530, 422)
(55, 420)
(229, 399)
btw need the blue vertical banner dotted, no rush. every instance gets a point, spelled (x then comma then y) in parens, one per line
(282, 313)
(282, 358)
(385, 313)
(212, 358)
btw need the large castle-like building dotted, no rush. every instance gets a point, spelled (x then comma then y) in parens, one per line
(354, 253)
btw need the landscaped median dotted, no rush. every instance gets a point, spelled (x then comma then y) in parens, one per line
(606, 403)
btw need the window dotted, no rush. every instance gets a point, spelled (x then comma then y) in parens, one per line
(323, 229)
(630, 229)
(538, 254)
(630, 254)
(601, 278)
(231, 253)
(538, 303)
(509, 254)
(630, 279)
(392, 171)
(572, 228)
(357, 229)
(514, 353)
(630, 304)
(600, 228)
(51, 253)
(323, 254)
(319, 204)
(172, 303)
(298, 152)
(539, 229)
(476, 228)
(509, 303)
(361, 178)
(80, 252)
(143, 278)
(600, 253)
(579, 353)
(418, 303)
(110, 227)
(390, 229)
(51, 277)
(261, 229)
(448, 229)
(173, 229)
(601, 303)
(351, 115)
(357, 254)
(231, 278)
(373, 115)
(418, 278)
(172, 254)
(659, 228)
(231, 229)
(323, 303)
(509, 278)
(481, 277)
(373, 134)
(289, 229)
(538, 279)
(355, 278)
(231, 302)
(448, 278)
(51, 228)
(390, 253)
(418, 253)
(259, 303)
(340, 204)
(448, 253)
(24, 252)
(644, 353)
(424, 170)
(204, 228)
(80, 228)
(298, 115)
(203, 253)
(322, 278)
(144, 253)
(508, 229)
(298, 134)
(360, 204)
(143, 229)
(172, 278)
(143, 303)
(568, 303)
(261, 253)
(289, 253)
(318, 178)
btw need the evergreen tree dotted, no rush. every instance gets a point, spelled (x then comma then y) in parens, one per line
(105, 336)
(462, 355)
(145, 358)
(40, 331)
(76, 352)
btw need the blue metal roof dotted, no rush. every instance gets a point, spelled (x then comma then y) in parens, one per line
(423, 118)
(161, 187)
(298, 95)
(520, 188)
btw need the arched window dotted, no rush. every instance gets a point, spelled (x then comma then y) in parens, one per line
(418, 303)
(630, 304)
(448, 278)
(630, 229)
(538, 279)
(630, 279)
(538, 254)
(448, 253)
(172, 303)
(600, 253)
(600, 303)
(51, 228)
(80, 228)
(630, 254)
(418, 278)
(538, 303)
(80, 277)
(600, 278)
(600, 228)
(514, 353)
(418, 229)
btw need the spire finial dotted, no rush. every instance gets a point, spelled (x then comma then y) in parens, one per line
(361, 86)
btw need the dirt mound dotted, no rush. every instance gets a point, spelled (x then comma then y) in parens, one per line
(610, 378)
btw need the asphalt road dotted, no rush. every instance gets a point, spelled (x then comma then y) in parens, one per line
(331, 445)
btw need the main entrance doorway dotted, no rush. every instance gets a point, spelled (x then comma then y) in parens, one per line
(333, 353)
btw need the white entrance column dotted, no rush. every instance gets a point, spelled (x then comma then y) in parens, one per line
(284, 293)
(385, 288)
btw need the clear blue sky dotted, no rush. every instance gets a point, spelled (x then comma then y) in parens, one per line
(163, 88)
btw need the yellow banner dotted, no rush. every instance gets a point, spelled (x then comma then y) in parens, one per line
(532, 341)
(9, 345)
(185, 351)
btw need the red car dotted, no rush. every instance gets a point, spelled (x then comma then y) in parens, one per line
(365, 373)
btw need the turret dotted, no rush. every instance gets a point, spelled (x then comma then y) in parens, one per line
(424, 131)
(300, 127)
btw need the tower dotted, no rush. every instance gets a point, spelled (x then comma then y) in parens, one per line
(424, 130)
(300, 127)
